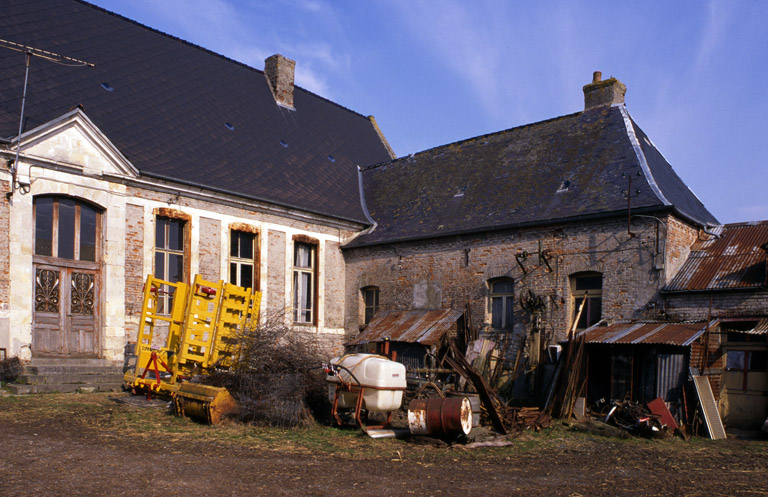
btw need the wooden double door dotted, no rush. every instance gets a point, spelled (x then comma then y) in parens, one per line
(66, 319)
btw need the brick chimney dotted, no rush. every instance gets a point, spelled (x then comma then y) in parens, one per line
(603, 93)
(279, 72)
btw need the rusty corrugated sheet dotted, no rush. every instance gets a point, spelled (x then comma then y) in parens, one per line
(760, 327)
(412, 326)
(735, 260)
(645, 332)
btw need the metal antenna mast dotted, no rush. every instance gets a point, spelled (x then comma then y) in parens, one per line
(29, 52)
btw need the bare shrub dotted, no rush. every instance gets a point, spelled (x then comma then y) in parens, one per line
(10, 369)
(276, 375)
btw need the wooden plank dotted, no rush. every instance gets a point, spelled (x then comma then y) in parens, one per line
(709, 408)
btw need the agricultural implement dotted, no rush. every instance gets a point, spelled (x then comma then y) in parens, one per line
(188, 330)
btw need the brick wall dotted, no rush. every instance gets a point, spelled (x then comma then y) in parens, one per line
(724, 304)
(452, 272)
(680, 237)
(276, 271)
(134, 267)
(5, 232)
(334, 286)
(5, 265)
(209, 249)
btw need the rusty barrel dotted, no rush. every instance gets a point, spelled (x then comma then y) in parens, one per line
(440, 417)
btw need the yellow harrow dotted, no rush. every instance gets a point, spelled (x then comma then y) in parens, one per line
(188, 330)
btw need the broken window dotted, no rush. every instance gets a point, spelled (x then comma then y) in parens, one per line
(304, 277)
(502, 300)
(169, 257)
(66, 228)
(587, 286)
(242, 259)
(370, 302)
(745, 353)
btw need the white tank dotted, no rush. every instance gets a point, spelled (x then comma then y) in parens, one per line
(369, 370)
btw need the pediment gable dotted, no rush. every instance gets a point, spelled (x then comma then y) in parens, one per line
(74, 141)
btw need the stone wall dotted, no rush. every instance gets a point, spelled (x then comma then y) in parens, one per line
(210, 250)
(455, 271)
(134, 267)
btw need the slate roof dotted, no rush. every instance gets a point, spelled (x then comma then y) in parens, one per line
(170, 104)
(733, 260)
(572, 167)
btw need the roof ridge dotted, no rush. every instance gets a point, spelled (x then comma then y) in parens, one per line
(641, 159)
(209, 51)
(486, 135)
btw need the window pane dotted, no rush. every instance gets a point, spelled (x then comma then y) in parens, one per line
(735, 360)
(504, 286)
(508, 313)
(66, 229)
(246, 246)
(296, 297)
(497, 309)
(306, 283)
(160, 266)
(175, 268)
(88, 218)
(175, 235)
(594, 310)
(233, 273)
(233, 243)
(303, 255)
(583, 319)
(44, 226)
(160, 226)
(589, 282)
(758, 360)
(246, 276)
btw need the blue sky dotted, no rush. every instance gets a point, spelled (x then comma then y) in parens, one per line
(434, 72)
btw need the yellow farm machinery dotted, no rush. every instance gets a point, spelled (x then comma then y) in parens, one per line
(188, 330)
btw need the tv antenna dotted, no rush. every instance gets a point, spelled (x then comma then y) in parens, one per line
(30, 52)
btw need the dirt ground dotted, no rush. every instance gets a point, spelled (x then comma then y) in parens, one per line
(91, 445)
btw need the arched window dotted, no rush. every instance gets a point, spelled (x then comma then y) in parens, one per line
(370, 302)
(588, 286)
(502, 303)
(66, 228)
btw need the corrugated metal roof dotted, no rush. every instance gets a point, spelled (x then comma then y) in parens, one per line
(736, 260)
(412, 326)
(647, 332)
(760, 327)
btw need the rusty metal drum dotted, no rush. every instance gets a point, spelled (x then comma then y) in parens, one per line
(440, 417)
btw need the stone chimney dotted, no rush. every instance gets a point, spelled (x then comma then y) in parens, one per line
(279, 72)
(603, 93)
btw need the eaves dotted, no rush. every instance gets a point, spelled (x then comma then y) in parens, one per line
(514, 226)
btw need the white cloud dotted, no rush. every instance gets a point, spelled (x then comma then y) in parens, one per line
(712, 34)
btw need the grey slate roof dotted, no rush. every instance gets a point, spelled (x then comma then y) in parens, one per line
(567, 168)
(170, 104)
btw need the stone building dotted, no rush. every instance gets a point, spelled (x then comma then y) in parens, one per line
(524, 224)
(139, 153)
(129, 152)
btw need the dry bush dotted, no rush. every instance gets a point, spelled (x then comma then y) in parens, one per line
(276, 377)
(10, 369)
